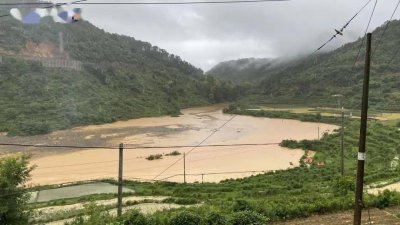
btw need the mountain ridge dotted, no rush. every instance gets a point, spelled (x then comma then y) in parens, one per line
(316, 78)
(120, 78)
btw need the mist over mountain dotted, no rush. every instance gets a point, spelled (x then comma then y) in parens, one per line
(316, 78)
(243, 70)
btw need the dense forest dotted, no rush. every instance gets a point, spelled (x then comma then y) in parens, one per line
(122, 78)
(314, 79)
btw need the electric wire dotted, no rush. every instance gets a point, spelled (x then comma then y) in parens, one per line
(204, 140)
(49, 5)
(213, 173)
(343, 28)
(386, 27)
(394, 55)
(365, 33)
(142, 3)
(135, 148)
(148, 147)
(22, 191)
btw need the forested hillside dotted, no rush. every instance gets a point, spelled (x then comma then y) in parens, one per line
(313, 80)
(243, 70)
(121, 78)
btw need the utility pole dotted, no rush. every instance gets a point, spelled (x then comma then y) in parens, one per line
(120, 170)
(363, 136)
(184, 167)
(61, 40)
(342, 144)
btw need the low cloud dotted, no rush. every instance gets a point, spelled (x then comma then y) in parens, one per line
(207, 34)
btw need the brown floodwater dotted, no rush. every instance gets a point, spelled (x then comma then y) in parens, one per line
(208, 164)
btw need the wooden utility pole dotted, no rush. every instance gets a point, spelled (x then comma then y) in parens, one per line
(184, 167)
(342, 145)
(363, 136)
(120, 170)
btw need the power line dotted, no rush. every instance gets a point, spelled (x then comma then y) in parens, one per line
(155, 147)
(135, 148)
(202, 146)
(57, 146)
(22, 191)
(365, 34)
(145, 3)
(213, 173)
(343, 28)
(394, 55)
(204, 140)
(180, 3)
(386, 27)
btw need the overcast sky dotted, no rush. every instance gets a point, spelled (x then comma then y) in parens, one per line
(207, 34)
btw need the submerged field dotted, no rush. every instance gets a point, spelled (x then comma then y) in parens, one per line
(204, 164)
(311, 190)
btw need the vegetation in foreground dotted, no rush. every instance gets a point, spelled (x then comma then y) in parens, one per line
(14, 172)
(280, 195)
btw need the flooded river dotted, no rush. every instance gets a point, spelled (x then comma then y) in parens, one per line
(208, 164)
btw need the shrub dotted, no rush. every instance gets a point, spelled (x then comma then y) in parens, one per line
(14, 172)
(215, 218)
(93, 215)
(27, 128)
(174, 153)
(384, 199)
(242, 205)
(134, 218)
(185, 218)
(154, 157)
(342, 185)
(248, 218)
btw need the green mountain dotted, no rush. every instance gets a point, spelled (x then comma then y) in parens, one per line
(313, 80)
(243, 70)
(94, 77)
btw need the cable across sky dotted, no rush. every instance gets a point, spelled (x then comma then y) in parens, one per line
(49, 4)
(340, 32)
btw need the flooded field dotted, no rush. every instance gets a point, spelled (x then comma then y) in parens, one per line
(208, 164)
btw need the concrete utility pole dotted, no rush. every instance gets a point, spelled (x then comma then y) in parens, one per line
(363, 136)
(342, 145)
(184, 167)
(120, 170)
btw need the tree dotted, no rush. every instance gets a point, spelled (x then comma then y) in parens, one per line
(14, 173)
(185, 218)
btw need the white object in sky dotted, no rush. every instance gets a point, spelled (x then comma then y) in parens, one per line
(60, 14)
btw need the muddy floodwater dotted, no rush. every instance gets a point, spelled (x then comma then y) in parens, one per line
(203, 164)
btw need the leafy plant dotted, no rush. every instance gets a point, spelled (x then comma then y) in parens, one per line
(14, 173)
(185, 218)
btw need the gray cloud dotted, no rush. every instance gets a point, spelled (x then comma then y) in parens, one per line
(207, 34)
